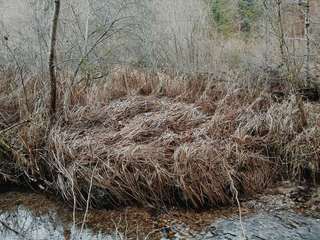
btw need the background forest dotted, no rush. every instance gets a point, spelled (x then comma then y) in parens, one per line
(231, 39)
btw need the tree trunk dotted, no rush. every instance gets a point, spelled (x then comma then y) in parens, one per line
(282, 42)
(52, 73)
(307, 40)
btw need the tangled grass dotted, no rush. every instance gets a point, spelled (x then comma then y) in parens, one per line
(155, 140)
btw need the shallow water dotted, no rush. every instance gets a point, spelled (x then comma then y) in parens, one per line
(32, 216)
(277, 226)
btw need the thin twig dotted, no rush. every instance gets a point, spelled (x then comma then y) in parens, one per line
(235, 194)
(14, 126)
(88, 199)
(10, 228)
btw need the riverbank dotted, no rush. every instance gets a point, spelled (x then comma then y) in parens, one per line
(277, 214)
(196, 145)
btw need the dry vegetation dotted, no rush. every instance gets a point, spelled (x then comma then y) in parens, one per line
(148, 139)
(157, 106)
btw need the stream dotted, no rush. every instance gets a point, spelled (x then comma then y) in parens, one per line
(34, 216)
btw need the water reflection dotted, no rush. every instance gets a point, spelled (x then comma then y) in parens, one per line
(32, 216)
(282, 225)
(22, 224)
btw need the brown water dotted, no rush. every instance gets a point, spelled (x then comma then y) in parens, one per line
(34, 216)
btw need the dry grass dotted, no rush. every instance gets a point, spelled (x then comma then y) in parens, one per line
(157, 139)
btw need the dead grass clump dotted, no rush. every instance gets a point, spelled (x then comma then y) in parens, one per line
(254, 170)
(287, 138)
(8, 169)
(303, 154)
(160, 152)
(228, 109)
(166, 140)
(130, 107)
(202, 169)
(127, 81)
(190, 88)
(200, 174)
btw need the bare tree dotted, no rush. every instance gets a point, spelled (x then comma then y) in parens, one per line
(53, 77)
(281, 35)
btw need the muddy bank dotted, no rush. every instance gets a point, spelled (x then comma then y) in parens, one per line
(278, 217)
(35, 216)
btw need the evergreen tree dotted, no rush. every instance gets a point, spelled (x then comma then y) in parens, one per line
(222, 15)
(249, 12)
